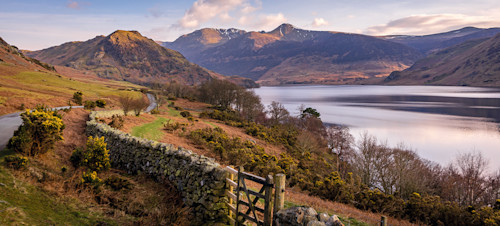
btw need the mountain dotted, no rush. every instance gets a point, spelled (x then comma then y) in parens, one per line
(473, 63)
(12, 61)
(289, 55)
(202, 39)
(434, 42)
(125, 55)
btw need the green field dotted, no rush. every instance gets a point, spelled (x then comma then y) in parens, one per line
(151, 130)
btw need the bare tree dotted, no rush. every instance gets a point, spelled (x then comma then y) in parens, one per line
(472, 170)
(126, 102)
(129, 102)
(277, 112)
(340, 142)
(139, 104)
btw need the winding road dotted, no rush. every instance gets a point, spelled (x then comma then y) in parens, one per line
(9, 123)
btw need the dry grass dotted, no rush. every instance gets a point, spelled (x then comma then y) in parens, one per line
(147, 203)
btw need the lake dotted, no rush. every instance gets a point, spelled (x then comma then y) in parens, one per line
(438, 122)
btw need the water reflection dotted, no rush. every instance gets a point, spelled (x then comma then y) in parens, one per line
(436, 121)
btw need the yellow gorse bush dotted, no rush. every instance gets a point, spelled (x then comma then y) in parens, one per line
(40, 130)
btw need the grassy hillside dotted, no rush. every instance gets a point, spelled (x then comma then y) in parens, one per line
(27, 82)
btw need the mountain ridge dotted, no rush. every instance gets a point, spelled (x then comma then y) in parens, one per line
(257, 55)
(473, 63)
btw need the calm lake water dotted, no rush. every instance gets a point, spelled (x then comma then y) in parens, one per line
(438, 122)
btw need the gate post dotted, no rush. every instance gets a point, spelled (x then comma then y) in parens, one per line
(268, 198)
(279, 195)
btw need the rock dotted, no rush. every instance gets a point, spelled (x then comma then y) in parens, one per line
(334, 221)
(296, 216)
(315, 223)
(323, 217)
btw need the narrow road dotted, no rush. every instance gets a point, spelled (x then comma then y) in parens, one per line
(152, 102)
(9, 123)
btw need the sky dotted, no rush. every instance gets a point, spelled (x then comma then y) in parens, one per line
(39, 24)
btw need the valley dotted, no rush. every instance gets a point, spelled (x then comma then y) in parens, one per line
(396, 122)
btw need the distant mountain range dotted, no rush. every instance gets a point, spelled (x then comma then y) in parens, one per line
(288, 55)
(428, 44)
(472, 63)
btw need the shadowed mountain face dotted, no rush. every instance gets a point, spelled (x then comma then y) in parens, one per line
(473, 63)
(288, 55)
(428, 44)
(125, 55)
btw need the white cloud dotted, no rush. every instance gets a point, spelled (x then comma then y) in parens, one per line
(318, 22)
(229, 12)
(262, 21)
(428, 24)
(205, 10)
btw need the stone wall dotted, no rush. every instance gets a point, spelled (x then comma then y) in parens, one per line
(199, 179)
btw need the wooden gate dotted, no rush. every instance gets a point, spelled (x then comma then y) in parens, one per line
(250, 211)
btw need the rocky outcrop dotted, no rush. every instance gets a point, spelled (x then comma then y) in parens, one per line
(199, 179)
(305, 216)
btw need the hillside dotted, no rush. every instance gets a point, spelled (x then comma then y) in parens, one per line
(428, 44)
(125, 55)
(473, 63)
(288, 55)
(27, 82)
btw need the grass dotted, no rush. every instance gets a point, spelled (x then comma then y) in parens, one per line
(24, 204)
(210, 123)
(173, 112)
(150, 130)
(31, 87)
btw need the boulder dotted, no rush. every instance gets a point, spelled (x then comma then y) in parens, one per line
(296, 216)
(334, 221)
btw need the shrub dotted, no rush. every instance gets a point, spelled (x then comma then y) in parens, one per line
(185, 114)
(95, 156)
(40, 130)
(171, 125)
(89, 105)
(76, 157)
(116, 122)
(117, 183)
(78, 97)
(16, 162)
(91, 178)
(100, 103)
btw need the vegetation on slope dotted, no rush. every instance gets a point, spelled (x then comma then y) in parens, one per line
(327, 163)
(70, 194)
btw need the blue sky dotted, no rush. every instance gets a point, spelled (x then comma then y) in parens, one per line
(38, 24)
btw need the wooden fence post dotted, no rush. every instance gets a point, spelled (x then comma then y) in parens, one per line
(279, 195)
(230, 190)
(383, 221)
(269, 195)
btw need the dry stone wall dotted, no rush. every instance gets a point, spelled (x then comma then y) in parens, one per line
(199, 179)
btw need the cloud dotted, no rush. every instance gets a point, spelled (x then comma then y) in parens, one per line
(205, 10)
(73, 5)
(427, 24)
(262, 21)
(318, 22)
(228, 12)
